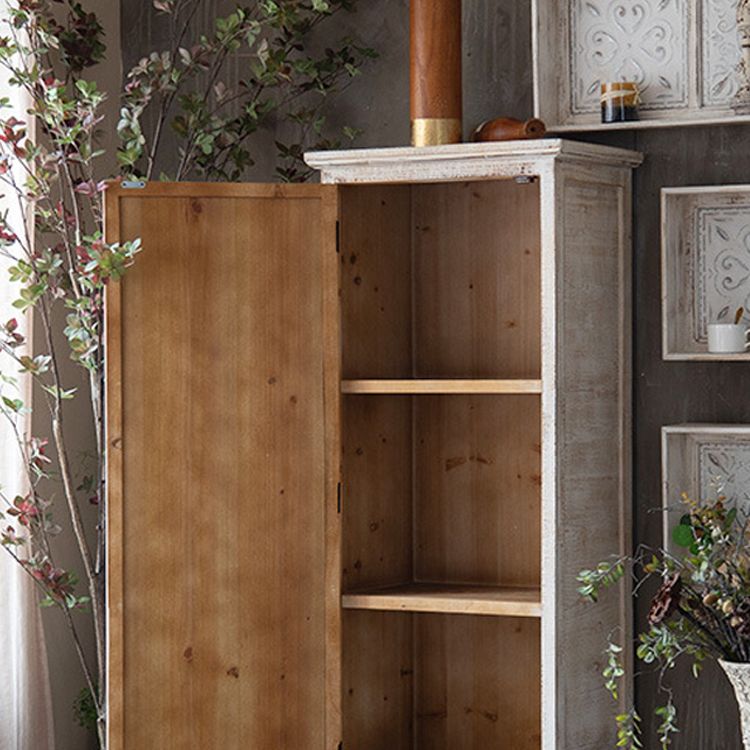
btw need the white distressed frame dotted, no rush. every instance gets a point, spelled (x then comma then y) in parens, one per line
(688, 453)
(585, 195)
(683, 49)
(705, 266)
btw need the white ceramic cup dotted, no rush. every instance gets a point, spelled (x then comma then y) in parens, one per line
(728, 338)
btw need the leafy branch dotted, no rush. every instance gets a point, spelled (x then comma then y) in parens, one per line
(187, 88)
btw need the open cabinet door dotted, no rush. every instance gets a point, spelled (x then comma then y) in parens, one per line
(222, 425)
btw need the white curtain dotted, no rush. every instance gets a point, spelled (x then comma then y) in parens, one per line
(25, 699)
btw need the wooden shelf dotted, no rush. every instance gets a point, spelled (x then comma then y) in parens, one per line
(441, 598)
(372, 387)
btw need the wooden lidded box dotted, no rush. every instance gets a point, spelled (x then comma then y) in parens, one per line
(364, 435)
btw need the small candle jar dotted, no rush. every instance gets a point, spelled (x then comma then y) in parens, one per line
(620, 101)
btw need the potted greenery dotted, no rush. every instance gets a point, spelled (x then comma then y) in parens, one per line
(700, 611)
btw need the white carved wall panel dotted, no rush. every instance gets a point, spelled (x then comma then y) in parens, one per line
(724, 470)
(705, 461)
(721, 255)
(721, 53)
(617, 40)
(705, 265)
(682, 53)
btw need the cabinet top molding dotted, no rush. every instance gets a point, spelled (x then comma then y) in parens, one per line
(461, 159)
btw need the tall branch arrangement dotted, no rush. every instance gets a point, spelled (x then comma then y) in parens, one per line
(701, 609)
(60, 264)
(188, 89)
(60, 261)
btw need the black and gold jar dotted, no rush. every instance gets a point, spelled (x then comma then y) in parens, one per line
(620, 100)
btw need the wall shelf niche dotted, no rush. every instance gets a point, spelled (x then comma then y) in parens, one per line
(705, 266)
(683, 55)
(703, 461)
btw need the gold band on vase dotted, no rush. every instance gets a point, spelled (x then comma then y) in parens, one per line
(435, 131)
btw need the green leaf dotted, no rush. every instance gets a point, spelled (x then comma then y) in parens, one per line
(682, 535)
(14, 404)
(730, 518)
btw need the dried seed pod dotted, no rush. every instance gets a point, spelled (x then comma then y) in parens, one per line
(710, 599)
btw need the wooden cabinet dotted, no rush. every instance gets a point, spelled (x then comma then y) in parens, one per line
(363, 437)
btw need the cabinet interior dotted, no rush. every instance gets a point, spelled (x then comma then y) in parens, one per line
(441, 487)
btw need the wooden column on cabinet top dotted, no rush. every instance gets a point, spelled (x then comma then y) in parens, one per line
(436, 105)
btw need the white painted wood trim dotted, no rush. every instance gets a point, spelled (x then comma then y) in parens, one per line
(594, 126)
(721, 430)
(705, 189)
(479, 160)
(551, 230)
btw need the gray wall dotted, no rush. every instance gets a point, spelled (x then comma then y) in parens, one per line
(497, 81)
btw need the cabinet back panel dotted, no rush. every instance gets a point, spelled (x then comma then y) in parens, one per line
(477, 283)
(441, 682)
(377, 493)
(376, 281)
(478, 683)
(478, 489)
(218, 632)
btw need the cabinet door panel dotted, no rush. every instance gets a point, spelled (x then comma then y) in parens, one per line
(222, 410)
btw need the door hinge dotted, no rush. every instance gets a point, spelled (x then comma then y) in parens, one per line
(338, 497)
(338, 236)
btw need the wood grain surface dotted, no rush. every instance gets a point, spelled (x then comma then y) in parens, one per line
(222, 402)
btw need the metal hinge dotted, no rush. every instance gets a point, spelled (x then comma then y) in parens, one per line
(133, 184)
(338, 497)
(338, 236)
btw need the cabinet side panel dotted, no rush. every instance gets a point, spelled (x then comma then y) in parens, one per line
(378, 680)
(377, 491)
(376, 294)
(593, 442)
(226, 476)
